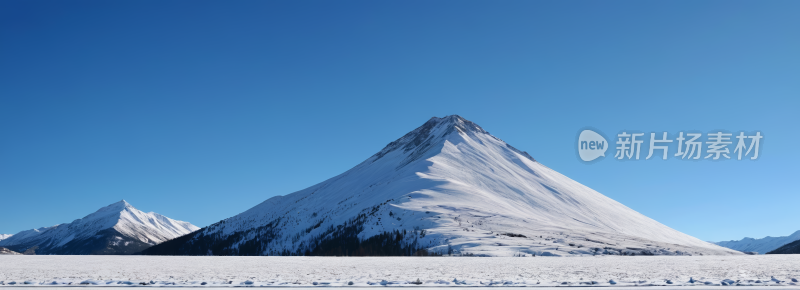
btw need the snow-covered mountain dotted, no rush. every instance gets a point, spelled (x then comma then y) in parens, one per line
(115, 229)
(4, 251)
(3, 237)
(762, 246)
(446, 187)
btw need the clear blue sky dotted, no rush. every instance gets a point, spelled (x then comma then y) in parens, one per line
(199, 110)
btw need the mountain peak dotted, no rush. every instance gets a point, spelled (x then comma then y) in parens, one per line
(414, 144)
(448, 118)
(116, 207)
(125, 229)
(455, 122)
(433, 133)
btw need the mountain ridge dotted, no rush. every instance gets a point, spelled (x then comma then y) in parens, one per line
(118, 228)
(4, 251)
(762, 245)
(446, 187)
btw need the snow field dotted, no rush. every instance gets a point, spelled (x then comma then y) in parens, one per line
(149, 271)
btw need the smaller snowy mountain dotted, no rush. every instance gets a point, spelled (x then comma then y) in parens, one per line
(116, 229)
(761, 246)
(3, 237)
(4, 251)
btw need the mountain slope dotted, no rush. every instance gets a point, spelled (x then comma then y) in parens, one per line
(790, 248)
(446, 187)
(4, 251)
(760, 246)
(115, 229)
(3, 237)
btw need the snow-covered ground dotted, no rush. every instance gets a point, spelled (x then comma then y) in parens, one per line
(400, 271)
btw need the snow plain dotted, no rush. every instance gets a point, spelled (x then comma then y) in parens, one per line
(186, 271)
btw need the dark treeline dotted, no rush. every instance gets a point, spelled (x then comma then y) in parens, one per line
(105, 242)
(340, 240)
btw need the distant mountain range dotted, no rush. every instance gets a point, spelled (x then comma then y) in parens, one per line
(112, 230)
(760, 246)
(3, 237)
(790, 248)
(447, 187)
